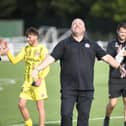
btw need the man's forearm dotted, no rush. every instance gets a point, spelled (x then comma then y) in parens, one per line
(110, 60)
(48, 60)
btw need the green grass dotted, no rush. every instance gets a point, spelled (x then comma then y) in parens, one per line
(11, 79)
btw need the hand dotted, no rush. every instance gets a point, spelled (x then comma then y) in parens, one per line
(3, 47)
(4, 51)
(124, 53)
(122, 71)
(37, 82)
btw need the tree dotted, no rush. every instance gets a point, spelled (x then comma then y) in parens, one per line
(111, 9)
(7, 7)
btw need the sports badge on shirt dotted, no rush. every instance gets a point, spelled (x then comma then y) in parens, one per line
(87, 45)
(116, 44)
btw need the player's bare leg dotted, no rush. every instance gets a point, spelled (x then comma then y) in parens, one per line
(24, 111)
(41, 110)
(109, 108)
(124, 101)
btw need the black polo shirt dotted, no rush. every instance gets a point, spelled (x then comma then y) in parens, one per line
(77, 63)
(112, 49)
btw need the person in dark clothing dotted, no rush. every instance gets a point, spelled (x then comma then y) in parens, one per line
(77, 57)
(117, 83)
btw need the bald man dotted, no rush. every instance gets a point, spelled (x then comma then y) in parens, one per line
(77, 58)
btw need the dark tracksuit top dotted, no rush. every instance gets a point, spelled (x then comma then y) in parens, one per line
(77, 63)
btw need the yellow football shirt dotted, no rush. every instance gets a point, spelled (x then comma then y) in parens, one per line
(32, 56)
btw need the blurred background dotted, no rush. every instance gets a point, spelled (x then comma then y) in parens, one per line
(53, 18)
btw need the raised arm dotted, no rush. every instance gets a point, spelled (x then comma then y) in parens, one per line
(15, 59)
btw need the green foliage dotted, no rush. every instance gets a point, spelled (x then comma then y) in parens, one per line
(7, 7)
(69, 6)
(111, 9)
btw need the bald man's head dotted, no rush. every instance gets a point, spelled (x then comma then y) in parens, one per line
(78, 27)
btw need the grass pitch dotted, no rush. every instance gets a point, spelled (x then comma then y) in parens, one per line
(11, 79)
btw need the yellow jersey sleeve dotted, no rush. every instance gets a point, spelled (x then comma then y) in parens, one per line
(17, 58)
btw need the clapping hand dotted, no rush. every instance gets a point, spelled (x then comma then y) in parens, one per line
(122, 71)
(3, 47)
(37, 82)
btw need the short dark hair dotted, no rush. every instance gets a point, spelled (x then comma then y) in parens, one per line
(122, 24)
(32, 30)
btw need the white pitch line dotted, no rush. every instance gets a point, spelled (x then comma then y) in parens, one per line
(101, 118)
(6, 82)
(58, 121)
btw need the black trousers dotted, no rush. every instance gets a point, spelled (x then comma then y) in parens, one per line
(83, 101)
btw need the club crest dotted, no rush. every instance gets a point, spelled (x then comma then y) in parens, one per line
(87, 45)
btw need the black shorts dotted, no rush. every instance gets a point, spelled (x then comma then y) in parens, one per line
(117, 88)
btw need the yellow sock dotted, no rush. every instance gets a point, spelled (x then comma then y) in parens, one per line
(28, 122)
